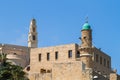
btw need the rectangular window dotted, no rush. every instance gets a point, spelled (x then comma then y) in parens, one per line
(56, 55)
(104, 62)
(39, 57)
(48, 56)
(108, 64)
(33, 29)
(70, 54)
(97, 58)
(100, 60)
(34, 37)
(78, 54)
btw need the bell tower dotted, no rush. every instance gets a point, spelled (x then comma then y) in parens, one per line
(86, 45)
(32, 36)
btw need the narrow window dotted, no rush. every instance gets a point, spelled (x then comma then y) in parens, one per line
(108, 64)
(104, 62)
(70, 54)
(97, 58)
(48, 56)
(78, 54)
(33, 29)
(34, 37)
(39, 57)
(100, 60)
(56, 55)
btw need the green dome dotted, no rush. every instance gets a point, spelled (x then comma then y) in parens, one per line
(86, 26)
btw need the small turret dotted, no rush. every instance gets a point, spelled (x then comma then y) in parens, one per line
(86, 36)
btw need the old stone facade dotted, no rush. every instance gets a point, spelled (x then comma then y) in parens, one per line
(62, 62)
(71, 61)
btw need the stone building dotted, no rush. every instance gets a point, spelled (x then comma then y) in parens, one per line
(71, 61)
(63, 62)
(18, 55)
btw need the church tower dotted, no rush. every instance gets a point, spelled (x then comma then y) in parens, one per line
(32, 36)
(86, 45)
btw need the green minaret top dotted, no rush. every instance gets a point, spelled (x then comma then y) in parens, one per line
(86, 26)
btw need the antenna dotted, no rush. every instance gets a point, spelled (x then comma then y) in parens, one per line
(86, 19)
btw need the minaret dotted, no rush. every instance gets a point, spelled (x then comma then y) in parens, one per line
(86, 45)
(32, 36)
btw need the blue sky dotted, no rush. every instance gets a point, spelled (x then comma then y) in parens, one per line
(60, 22)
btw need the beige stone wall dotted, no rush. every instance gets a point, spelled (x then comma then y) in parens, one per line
(67, 71)
(62, 50)
(62, 64)
(64, 71)
(98, 67)
(65, 65)
(38, 76)
(114, 76)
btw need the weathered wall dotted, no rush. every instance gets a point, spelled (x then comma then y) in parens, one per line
(64, 71)
(62, 50)
(63, 66)
(67, 71)
(100, 66)
(18, 55)
(114, 76)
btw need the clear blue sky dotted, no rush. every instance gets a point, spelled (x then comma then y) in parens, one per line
(60, 22)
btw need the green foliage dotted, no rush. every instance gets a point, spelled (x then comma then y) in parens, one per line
(9, 71)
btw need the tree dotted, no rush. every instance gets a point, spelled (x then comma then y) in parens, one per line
(9, 71)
